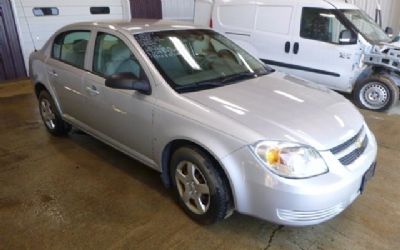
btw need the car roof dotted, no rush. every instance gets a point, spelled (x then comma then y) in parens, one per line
(136, 26)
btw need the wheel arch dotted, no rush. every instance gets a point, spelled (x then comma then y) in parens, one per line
(177, 143)
(39, 87)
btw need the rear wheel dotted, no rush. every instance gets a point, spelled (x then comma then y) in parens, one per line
(199, 186)
(50, 115)
(377, 93)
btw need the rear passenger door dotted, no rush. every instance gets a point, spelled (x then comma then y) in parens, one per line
(66, 71)
(272, 36)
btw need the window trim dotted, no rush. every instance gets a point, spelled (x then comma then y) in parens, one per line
(338, 15)
(98, 34)
(63, 34)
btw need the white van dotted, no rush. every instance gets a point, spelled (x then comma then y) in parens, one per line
(329, 42)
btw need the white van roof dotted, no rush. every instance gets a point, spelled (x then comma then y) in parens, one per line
(328, 4)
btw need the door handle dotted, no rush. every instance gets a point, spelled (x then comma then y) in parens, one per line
(92, 91)
(296, 48)
(53, 73)
(287, 47)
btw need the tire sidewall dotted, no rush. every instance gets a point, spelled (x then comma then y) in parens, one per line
(214, 182)
(388, 85)
(60, 127)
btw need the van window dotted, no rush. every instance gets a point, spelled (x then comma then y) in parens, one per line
(237, 16)
(274, 19)
(112, 56)
(321, 24)
(71, 47)
(99, 10)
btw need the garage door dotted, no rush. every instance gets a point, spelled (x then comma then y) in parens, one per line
(146, 9)
(11, 61)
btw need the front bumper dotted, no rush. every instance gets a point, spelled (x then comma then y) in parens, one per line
(296, 202)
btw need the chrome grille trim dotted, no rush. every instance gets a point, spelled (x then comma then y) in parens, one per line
(349, 151)
(355, 154)
(348, 143)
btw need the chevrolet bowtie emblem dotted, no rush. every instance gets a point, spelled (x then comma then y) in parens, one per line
(359, 143)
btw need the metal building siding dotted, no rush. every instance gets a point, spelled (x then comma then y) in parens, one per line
(146, 9)
(390, 11)
(11, 60)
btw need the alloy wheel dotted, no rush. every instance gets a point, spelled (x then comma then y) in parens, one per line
(192, 187)
(47, 113)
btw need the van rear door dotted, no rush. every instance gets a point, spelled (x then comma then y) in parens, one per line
(273, 27)
(236, 21)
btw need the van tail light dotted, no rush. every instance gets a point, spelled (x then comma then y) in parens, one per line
(211, 23)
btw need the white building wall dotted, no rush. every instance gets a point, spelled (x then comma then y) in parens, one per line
(34, 31)
(178, 9)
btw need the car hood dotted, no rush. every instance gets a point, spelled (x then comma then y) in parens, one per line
(282, 107)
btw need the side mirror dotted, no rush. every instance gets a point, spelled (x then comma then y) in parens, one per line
(347, 37)
(389, 31)
(128, 81)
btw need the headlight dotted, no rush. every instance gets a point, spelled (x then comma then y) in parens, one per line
(290, 160)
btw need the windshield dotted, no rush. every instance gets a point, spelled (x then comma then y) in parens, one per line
(366, 26)
(192, 60)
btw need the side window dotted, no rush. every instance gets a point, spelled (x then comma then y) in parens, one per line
(71, 47)
(321, 24)
(112, 56)
(99, 10)
(274, 19)
(45, 11)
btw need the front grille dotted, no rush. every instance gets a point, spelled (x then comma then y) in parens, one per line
(355, 154)
(348, 143)
(357, 144)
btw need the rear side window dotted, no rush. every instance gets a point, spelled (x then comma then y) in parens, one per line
(71, 47)
(113, 56)
(99, 10)
(321, 25)
(274, 19)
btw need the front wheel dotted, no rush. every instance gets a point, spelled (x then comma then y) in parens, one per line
(377, 93)
(199, 186)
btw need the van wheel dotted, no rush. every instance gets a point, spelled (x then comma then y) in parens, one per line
(51, 117)
(199, 187)
(377, 93)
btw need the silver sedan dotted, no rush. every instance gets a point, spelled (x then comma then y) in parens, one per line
(226, 132)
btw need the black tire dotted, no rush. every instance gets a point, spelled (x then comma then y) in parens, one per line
(219, 199)
(385, 86)
(58, 127)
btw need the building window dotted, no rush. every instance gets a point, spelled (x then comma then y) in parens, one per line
(99, 10)
(46, 11)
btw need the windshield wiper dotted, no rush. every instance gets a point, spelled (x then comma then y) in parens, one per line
(226, 80)
(240, 76)
(199, 86)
